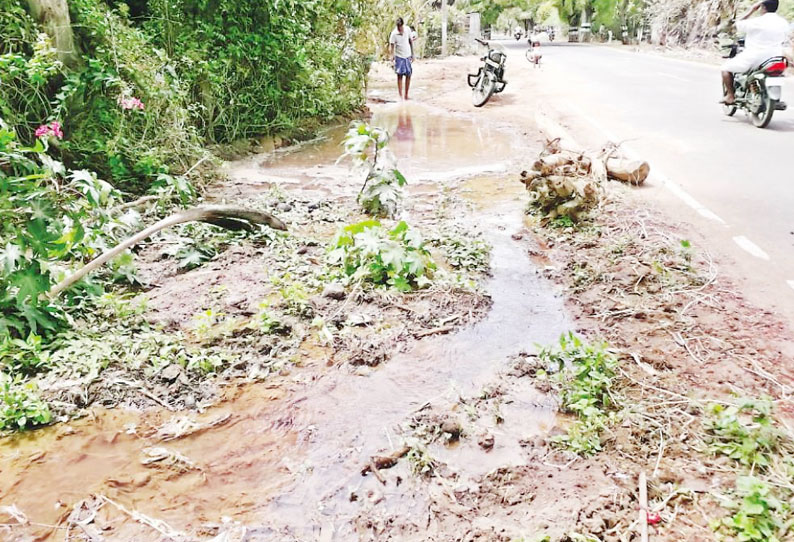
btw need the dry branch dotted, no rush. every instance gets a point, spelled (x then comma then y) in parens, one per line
(226, 216)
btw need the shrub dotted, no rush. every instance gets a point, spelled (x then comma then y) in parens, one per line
(367, 252)
(20, 406)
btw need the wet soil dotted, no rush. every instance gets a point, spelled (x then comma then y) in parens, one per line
(449, 436)
(280, 456)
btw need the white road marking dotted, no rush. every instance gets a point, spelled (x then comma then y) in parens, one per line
(665, 181)
(751, 247)
(790, 283)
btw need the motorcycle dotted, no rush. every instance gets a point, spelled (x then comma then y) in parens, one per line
(551, 35)
(517, 35)
(759, 90)
(489, 79)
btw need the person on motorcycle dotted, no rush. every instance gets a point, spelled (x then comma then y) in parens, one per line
(764, 39)
(401, 49)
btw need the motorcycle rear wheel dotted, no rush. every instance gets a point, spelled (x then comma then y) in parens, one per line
(766, 106)
(483, 90)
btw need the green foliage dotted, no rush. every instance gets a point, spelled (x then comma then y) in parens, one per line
(368, 147)
(744, 432)
(584, 374)
(367, 252)
(49, 217)
(465, 250)
(262, 67)
(757, 517)
(20, 406)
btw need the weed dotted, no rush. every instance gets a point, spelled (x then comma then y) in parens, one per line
(367, 252)
(584, 374)
(20, 405)
(464, 250)
(757, 517)
(744, 432)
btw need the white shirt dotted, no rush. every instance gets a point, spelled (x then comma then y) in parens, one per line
(766, 33)
(402, 42)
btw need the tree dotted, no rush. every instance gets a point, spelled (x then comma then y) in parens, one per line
(53, 15)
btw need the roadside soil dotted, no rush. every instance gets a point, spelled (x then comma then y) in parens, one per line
(425, 418)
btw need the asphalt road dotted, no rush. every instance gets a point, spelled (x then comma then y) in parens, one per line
(733, 181)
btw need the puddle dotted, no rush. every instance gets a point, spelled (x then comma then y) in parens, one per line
(290, 455)
(430, 146)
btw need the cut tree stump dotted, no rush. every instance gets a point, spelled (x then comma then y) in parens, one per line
(225, 216)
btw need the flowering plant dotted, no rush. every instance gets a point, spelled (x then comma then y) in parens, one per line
(132, 102)
(51, 129)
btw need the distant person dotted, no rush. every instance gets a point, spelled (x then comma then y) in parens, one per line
(765, 36)
(401, 49)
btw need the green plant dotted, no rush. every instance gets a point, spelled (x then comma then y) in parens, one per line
(464, 250)
(20, 406)
(757, 517)
(744, 432)
(367, 252)
(50, 218)
(382, 191)
(584, 374)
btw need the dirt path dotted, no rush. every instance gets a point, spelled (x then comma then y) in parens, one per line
(431, 415)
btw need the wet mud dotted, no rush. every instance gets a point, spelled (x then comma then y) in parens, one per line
(283, 457)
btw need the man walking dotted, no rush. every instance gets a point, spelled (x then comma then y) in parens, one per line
(401, 49)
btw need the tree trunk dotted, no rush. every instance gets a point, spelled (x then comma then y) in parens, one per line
(225, 216)
(53, 16)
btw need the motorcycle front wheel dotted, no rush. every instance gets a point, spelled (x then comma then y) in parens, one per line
(762, 107)
(483, 90)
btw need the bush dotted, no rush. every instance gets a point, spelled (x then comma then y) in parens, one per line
(20, 406)
(262, 67)
(49, 217)
(367, 252)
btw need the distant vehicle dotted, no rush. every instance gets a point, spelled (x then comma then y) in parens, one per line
(759, 90)
(490, 77)
(518, 33)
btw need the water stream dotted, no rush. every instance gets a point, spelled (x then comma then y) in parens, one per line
(287, 461)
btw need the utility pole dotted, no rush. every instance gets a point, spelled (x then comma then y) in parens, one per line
(444, 15)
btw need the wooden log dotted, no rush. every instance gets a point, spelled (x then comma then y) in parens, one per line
(628, 171)
(228, 216)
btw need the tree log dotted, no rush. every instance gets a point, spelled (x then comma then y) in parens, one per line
(227, 216)
(628, 171)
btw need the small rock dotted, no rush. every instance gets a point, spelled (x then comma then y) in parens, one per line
(451, 427)
(284, 207)
(486, 442)
(334, 291)
(517, 236)
(303, 250)
(171, 372)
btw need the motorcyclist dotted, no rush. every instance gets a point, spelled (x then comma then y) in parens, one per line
(518, 32)
(764, 39)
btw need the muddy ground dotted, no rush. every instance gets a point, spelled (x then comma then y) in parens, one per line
(425, 416)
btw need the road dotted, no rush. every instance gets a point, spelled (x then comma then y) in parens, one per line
(732, 181)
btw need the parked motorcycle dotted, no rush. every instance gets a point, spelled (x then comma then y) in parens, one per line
(759, 90)
(490, 77)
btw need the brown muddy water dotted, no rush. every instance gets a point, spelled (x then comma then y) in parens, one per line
(287, 464)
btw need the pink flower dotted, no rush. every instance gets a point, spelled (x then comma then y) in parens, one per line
(130, 103)
(51, 129)
(56, 129)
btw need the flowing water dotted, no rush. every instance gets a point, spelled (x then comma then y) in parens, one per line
(286, 462)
